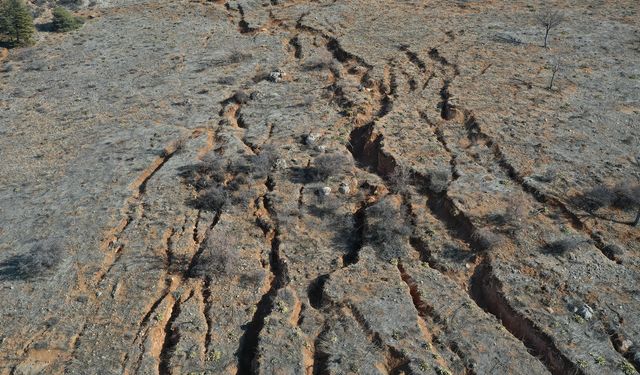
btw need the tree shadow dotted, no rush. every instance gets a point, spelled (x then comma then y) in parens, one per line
(22, 267)
(46, 27)
(624, 197)
(40, 261)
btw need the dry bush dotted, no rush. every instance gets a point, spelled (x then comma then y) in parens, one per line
(387, 229)
(213, 198)
(327, 165)
(263, 163)
(486, 239)
(439, 181)
(219, 258)
(400, 180)
(213, 167)
(562, 246)
(241, 97)
(320, 62)
(555, 65)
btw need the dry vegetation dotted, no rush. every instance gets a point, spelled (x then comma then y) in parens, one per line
(316, 187)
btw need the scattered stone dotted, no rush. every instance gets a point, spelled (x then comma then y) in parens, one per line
(325, 191)
(585, 311)
(311, 139)
(625, 345)
(344, 188)
(281, 164)
(276, 76)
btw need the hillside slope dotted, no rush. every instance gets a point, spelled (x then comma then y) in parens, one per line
(323, 187)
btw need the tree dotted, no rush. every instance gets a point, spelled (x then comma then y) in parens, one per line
(16, 22)
(63, 20)
(555, 65)
(549, 19)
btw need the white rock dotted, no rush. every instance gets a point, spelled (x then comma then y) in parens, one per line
(585, 311)
(276, 76)
(281, 164)
(311, 138)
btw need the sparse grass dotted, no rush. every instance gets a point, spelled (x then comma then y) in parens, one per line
(627, 368)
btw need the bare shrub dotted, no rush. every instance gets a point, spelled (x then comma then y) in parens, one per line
(401, 179)
(627, 195)
(263, 163)
(233, 57)
(549, 19)
(219, 258)
(563, 246)
(387, 229)
(509, 220)
(252, 279)
(555, 65)
(214, 198)
(320, 62)
(327, 165)
(240, 97)
(439, 181)
(213, 166)
(486, 239)
(286, 211)
(629, 199)
(613, 251)
(243, 197)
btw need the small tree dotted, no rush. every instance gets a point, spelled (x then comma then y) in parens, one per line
(16, 22)
(555, 65)
(63, 20)
(549, 19)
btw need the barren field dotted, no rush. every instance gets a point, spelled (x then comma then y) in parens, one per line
(323, 187)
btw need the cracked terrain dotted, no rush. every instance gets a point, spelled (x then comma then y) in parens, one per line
(322, 187)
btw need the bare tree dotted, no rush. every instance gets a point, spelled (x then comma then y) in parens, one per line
(549, 19)
(555, 64)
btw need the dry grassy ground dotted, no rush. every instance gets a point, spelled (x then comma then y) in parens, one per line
(323, 187)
